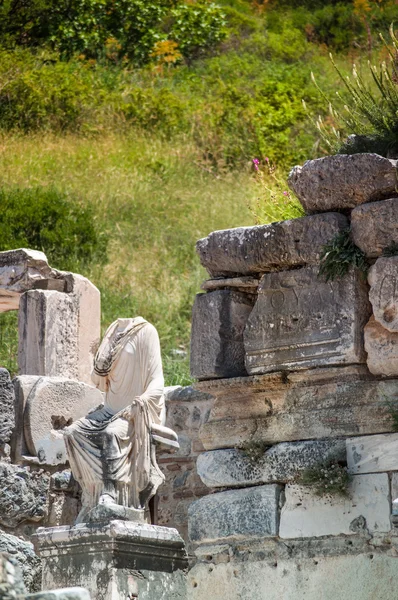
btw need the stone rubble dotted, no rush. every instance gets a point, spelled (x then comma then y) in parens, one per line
(374, 226)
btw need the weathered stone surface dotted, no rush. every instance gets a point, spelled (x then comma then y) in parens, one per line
(343, 181)
(367, 576)
(187, 409)
(218, 321)
(372, 453)
(306, 515)
(248, 513)
(59, 332)
(383, 281)
(7, 399)
(23, 554)
(299, 321)
(115, 552)
(46, 405)
(281, 463)
(315, 404)
(381, 346)
(245, 284)
(23, 494)
(21, 270)
(374, 226)
(247, 250)
(75, 593)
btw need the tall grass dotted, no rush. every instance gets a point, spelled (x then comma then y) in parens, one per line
(154, 200)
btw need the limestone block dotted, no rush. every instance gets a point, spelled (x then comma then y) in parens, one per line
(218, 321)
(374, 226)
(282, 463)
(23, 494)
(75, 593)
(343, 181)
(44, 407)
(381, 346)
(300, 321)
(372, 453)
(365, 576)
(7, 399)
(21, 270)
(247, 250)
(23, 554)
(59, 332)
(314, 404)
(248, 513)
(105, 559)
(383, 280)
(306, 515)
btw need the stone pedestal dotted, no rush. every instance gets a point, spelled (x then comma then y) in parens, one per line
(116, 561)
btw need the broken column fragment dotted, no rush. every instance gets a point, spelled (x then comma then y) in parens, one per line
(59, 331)
(248, 250)
(21, 270)
(301, 321)
(44, 407)
(343, 181)
(218, 321)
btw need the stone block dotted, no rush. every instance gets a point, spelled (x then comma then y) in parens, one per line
(24, 495)
(315, 404)
(24, 556)
(280, 463)
(7, 400)
(383, 295)
(381, 346)
(343, 181)
(76, 593)
(44, 407)
(300, 321)
(306, 515)
(248, 250)
(20, 271)
(59, 332)
(247, 513)
(374, 226)
(372, 453)
(365, 576)
(218, 321)
(106, 559)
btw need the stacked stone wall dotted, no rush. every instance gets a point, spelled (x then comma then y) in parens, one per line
(306, 370)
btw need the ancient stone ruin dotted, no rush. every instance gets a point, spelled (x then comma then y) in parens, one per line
(304, 376)
(284, 482)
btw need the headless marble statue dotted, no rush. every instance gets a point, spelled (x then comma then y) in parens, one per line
(109, 450)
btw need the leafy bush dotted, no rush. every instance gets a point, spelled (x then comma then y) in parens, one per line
(85, 26)
(43, 219)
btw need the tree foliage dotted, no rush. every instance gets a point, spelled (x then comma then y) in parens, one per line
(85, 26)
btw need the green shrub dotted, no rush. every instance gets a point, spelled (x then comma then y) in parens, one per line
(43, 219)
(339, 256)
(326, 478)
(134, 26)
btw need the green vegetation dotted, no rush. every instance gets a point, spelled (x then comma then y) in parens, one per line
(128, 131)
(326, 478)
(254, 449)
(340, 255)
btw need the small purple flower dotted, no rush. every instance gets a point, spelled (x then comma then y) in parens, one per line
(285, 193)
(267, 159)
(256, 162)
